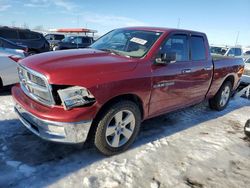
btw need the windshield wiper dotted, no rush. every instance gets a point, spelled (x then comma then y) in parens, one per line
(113, 52)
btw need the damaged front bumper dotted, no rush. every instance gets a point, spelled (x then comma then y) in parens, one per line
(64, 132)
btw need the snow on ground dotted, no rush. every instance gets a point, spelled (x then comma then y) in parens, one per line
(194, 147)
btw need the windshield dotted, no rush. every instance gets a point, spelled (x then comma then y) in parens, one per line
(218, 50)
(132, 43)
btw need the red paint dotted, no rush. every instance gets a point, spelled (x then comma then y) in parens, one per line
(107, 76)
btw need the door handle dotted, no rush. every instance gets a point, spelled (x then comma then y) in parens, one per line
(207, 68)
(185, 71)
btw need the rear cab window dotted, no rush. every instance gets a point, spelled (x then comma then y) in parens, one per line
(198, 49)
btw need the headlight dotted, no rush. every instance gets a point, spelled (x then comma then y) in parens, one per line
(75, 96)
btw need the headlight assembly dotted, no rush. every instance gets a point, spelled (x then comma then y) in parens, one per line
(75, 96)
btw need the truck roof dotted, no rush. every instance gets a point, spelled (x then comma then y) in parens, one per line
(162, 29)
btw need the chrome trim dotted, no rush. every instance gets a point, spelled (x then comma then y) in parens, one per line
(47, 89)
(64, 132)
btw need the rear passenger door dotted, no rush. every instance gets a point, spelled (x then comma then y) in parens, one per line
(201, 69)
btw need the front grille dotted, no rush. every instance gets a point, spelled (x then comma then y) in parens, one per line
(35, 85)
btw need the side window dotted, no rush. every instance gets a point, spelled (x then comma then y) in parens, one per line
(77, 40)
(8, 34)
(49, 37)
(198, 50)
(59, 37)
(177, 44)
(238, 52)
(86, 40)
(231, 52)
(28, 35)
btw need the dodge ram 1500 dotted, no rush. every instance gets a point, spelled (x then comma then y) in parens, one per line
(103, 93)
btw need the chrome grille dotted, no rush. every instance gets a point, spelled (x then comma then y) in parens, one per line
(35, 85)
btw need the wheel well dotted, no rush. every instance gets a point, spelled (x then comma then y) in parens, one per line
(230, 79)
(1, 83)
(130, 97)
(33, 50)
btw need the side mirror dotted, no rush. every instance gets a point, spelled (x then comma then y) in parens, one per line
(166, 58)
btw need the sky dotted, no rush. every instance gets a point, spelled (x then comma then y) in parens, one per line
(221, 20)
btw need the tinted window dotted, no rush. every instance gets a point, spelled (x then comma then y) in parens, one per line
(198, 50)
(247, 53)
(59, 37)
(177, 44)
(238, 52)
(86, 40)
(77, 40)
(49, 37)
(8, 34)
(248, 61)
(231, 52)
(28, 35)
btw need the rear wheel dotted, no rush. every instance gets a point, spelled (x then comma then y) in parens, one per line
(32, 53)
(118, 128)
(220, 100)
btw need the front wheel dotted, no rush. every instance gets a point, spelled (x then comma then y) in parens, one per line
(118, 128)
(220, 100)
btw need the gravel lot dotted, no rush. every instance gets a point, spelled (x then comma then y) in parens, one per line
(194, 147)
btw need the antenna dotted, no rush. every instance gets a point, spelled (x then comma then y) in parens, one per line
(237, 37)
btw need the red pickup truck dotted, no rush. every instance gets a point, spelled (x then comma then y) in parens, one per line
(103, 93)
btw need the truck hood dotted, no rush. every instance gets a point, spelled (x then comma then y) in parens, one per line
(78, 67)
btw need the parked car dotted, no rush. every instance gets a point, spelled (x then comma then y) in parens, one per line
(73, 42)
(54, 39)
(245, 80)
(247, 53)
(6, 44)
(8, 65)
(35, 42)
(131, 74)
(226, 51)
(247, 128)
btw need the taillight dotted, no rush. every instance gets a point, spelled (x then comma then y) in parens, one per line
(15, 58)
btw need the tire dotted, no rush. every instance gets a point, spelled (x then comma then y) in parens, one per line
(109, 137)
(224, 94)
(247, 126)
(30, 53)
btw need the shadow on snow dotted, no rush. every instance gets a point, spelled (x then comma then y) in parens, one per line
(27, 148)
